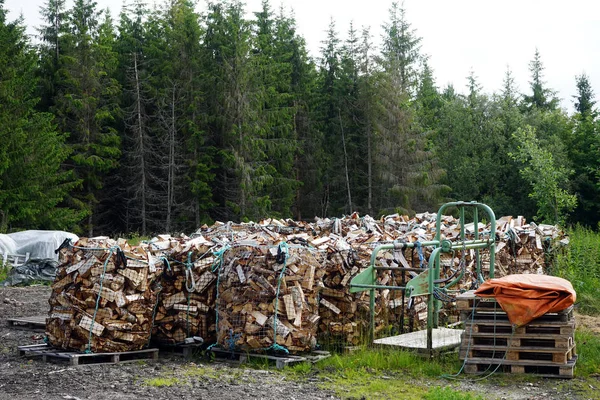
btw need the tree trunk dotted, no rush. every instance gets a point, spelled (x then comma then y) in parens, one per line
(345, 161)
(171, 174)
(142, 149)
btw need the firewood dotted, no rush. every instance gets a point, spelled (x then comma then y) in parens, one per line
(90, 295)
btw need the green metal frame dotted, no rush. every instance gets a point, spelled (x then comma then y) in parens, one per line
(426, 282)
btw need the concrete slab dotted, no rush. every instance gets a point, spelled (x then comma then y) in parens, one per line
(443, 339)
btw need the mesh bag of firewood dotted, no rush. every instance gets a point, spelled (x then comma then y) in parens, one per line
(267, 298)
(186, 306)
(104, 297)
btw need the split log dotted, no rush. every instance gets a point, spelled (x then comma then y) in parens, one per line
(103, 297)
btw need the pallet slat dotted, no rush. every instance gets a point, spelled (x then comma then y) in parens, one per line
(50, 354)
(544, 370)
(280, 361)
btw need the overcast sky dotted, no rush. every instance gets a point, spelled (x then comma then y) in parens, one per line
(459, 35)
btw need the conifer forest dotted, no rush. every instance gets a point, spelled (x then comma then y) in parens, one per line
(167, 118)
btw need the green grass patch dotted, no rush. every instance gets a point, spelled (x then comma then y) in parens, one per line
(378, 373)
(4, 269)
(446, 393)
(588, 350)
(579, 263)
(378, 360)
(362, 384)
(162, 382)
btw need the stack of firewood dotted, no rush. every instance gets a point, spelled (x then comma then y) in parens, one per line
(104, 296)
(238, 285)
(186, 306)
(268, 297)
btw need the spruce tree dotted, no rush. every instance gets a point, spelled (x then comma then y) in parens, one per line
(32, 186)
(86, 103)
(541, 97)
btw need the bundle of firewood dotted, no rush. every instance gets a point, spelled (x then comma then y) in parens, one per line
(268, 297)
(104, 296)
(186, 305)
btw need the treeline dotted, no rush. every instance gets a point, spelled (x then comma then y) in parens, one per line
(167, 119)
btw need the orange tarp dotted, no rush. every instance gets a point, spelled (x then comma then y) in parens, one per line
(527, 297)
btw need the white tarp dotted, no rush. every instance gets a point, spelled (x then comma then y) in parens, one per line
(7, 245)
(39, 244)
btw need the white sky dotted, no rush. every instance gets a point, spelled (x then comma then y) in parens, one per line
(459, 35)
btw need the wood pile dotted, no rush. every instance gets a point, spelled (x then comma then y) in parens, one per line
(105, 287)
(186, 305)
(236, 269)
(266, 289)
(347, 244)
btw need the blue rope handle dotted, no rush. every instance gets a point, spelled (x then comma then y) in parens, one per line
(419, 247)
(283, 248)
(111, 252)
(216, 267)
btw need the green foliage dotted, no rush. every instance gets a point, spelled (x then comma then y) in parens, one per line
(178, 119)
(579, 263)
(446, 393)
(380, 359)
(32, 186)
(548, 180)
(4, 270)
(588, 353)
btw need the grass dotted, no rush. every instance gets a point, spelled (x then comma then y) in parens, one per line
(588, 350)
(381, 374)
(447, 393)
(4, 269)
(579, 263)
(381, 359)
(162, 382)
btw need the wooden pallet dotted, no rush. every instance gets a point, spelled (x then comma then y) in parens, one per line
(280, 361)
(509, 341)
(51, 354)
(537, 329)
(185, 350)
(36, 323)
(488, 365)
(555, 356)
(566, 316)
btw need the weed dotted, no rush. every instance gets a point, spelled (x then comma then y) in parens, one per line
(162, 382)
(579, 262)
(380, 359)
(588, 349)
(4, 270)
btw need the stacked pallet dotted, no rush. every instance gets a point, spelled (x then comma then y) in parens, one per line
(545, 346)
(186, 305)
(103, 297)
(268, 297)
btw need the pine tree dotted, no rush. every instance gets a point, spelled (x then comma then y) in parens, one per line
(32, 186)
(273, 103)
(408, 172)
(142, 201)
(584, 100)
(244, 174)
(87, 103)
(401, 49)
(584, 152)
(428, 101)
(51, 36)
(541, 97)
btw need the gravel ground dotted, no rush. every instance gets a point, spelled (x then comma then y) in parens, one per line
(171, 377)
